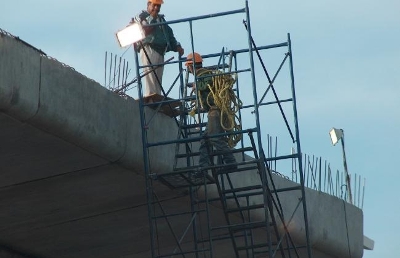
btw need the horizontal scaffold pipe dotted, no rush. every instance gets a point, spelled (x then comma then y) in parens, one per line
(269, 103)
(201, 17)
(194, 139)
(239, 51)
(291, 156)
(166, 101)
(246, 50)
(225, 73)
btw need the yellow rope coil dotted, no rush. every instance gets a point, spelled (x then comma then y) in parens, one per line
(225, 99)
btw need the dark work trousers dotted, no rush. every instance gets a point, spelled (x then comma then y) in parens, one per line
(219, 143)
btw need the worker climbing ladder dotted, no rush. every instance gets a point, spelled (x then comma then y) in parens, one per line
(230, 212)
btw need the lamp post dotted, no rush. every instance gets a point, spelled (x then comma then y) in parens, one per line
(336, 135)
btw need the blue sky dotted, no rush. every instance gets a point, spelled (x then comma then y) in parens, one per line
(346, 67)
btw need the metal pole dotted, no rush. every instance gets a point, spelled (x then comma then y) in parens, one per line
(264, 178)
(149, 189)
(345, 170)
(299, 150)
(196, 18)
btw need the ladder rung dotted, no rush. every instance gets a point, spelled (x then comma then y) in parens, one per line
(287, 189)
(186, 155)
(291, 156)
(243, 195)
(249, 225)
(242, 189)
(216, 153)
(238, 150)
(182, 181)
(248, 168)
(177, 214)
(201, 250)
(253, 246)
(246, 208)
(184, 169)
(191, 126)
(257, 187)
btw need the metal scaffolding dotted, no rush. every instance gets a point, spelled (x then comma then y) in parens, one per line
(254, 222)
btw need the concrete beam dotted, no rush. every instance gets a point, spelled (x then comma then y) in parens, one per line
(368, 243)
(49, 95)
(47, 98)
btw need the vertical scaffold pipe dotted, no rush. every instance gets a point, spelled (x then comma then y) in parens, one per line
(259, 141)
(149, 189)
(299, 155)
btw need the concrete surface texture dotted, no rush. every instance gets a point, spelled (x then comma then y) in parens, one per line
(71, 170)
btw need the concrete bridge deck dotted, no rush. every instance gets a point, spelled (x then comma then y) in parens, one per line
(71, 172)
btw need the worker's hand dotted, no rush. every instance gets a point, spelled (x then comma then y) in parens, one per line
(180, 50)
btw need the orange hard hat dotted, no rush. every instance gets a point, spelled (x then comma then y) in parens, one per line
(156, 1)
(197, 59)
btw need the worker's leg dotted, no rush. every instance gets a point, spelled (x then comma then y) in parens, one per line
(220, 144)
(204, 160)
(152, 58)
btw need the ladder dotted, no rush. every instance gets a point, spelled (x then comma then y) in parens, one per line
(248, 234)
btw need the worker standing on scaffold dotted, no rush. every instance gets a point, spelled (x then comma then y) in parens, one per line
(159, 40)
(215, 96)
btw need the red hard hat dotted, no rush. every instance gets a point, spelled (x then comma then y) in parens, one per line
(197, 59)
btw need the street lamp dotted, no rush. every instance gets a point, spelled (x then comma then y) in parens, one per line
(130, 34)
(338, 135)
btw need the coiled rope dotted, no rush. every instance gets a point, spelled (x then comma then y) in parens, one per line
(225, 99)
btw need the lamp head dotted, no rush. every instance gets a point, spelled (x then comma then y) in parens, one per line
(336, 135)
(130, 34)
